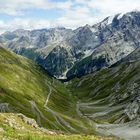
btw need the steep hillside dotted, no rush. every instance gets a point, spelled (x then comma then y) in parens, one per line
(26, 88)
(35, 106)
(106, 102)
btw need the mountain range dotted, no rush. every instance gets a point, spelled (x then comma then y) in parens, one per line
(66, 53)
(100, 94)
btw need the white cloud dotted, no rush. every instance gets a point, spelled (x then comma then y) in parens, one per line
(16, 7)
(19, 23)
(111, 7)
(29, 23)
(2, 27)
(75, 12)
(75, 17)
(93, 11)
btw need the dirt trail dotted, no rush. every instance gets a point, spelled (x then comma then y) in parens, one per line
(39, 114)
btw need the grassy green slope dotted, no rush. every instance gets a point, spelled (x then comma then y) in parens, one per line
(78, 106)
(12, 127)
(25, 87)
(105, 95)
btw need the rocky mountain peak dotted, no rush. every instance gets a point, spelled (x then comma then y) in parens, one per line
(111, 39)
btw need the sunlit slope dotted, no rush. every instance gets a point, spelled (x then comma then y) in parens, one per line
(14, 127)
(26, 88)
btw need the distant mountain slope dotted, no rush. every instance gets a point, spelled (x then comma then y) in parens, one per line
(26, 88)
(111, 98)
(66, 53)
(134, 56)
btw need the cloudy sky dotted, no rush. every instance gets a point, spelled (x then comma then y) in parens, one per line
(36, 14)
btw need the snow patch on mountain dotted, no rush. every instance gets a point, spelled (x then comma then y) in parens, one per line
(87, 53)
(120, 16)
(110, 19)
(63, 76)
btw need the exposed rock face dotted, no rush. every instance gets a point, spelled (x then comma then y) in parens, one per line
(4, 107)
(133, 110)
(28, 121)
(34, 124)
(68, 53)
(21, 123)
(12, 122)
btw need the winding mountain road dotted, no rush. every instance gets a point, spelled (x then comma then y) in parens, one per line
(56, 115)
(48, 97)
